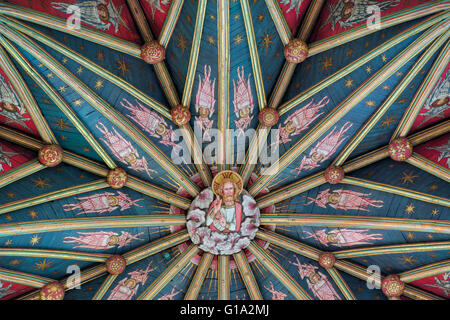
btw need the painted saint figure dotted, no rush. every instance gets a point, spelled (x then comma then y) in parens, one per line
(96, 13)
(443, 284)
(150, 122)
(345, 200)
(102, 240)
(5, 158)
(276, 294)
(438, 101)
(349, 13)
(444, 151)
(225, 212)
(204, 103)
(10, 106)
(300, 120)
(318, 283)
(103, 202)
(243, 101)
(127, 288)
(324, 149)
(156, 5)
(171, 295)
(124, 150)
(344, 237)
(293, 4)
(6, 291)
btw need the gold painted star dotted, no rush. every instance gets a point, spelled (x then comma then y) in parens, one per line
(87, 149)
(42, 265)
(100, 55)
(35, 240)
(434, 212)
(366, 45)
(98, 84)
(212, 17)
(77, 102)
(211, 40)
(410, 236)
(368, 70)
(42, 183)
(62, 89)
(349, 52)
(266, 41)
(383, 58)
(181, 42)
(430, 236)
(408, 178)
(399, 74)
(61, 124)
(410, 260)
(40, 65)
(8, 242)
(433, 187)
(410, 208)
(80, 70)
(63, 138)
(50, 75)
(238, 39)
(236, 17)
(433, 255)
(10, 194)
(260, 17)
(326, 64)
(9, 218)
(387, 121)
(14, 262)
(402, 101)
(370, 103)
(33, 214)
(386, 87)
(349, 83)
(64, 61)
(122, 66)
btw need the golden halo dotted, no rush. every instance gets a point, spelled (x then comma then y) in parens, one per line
(227, 174)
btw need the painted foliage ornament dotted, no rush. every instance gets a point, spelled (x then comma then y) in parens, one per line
(152, 52)
(116, 264)
(400, 149)
(116, 178)
(52, 291)
(334, 174)
(392, 286)
(51, 155)
(268, 117)
(180, 115)
(296, 51)
(327, 260)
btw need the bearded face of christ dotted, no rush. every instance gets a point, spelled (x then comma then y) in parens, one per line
(228, 192)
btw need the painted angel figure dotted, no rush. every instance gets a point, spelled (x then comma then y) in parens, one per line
(6, 291)
(10, 106)
(444, 151)
(349, 13)
(293, 4)
(102, 240)
(171, 295)
(5, 158)
(103, 202)
(324, 149)
(243, 101)
(127, 288)
(124, 150)
(443, 284)
(344, 237)
(318, 283)
(205, 102)
(156, 5)
(96, 13)
(150, 122)
(300, 120)
(345, 200)
(276, 294)
(438, 101)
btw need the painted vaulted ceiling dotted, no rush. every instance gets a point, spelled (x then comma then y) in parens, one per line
(365, 82)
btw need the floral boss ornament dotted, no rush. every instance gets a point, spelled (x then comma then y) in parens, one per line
(223, 219)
